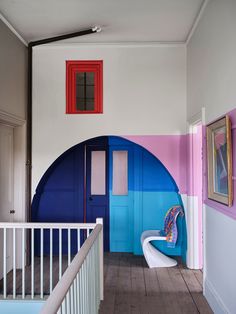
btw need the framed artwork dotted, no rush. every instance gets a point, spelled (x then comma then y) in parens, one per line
(219, 157)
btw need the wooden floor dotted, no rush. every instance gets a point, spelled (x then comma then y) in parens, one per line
(131, 287)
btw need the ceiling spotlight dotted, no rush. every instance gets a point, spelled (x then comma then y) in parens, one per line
(96, 29)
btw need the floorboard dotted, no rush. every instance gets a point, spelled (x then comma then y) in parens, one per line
(133, 288)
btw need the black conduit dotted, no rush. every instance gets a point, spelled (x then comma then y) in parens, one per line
(29, 105)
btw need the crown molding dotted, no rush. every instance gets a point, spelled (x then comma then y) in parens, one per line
(14, 31)
(196, 21)
(113, 44)
(10, 119)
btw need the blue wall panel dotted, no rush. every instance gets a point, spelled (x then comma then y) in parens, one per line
(155, 175)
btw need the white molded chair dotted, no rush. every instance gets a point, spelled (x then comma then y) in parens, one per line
(153, 256)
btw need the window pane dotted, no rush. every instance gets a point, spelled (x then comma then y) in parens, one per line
(90, 78)
(79, 91)
(98, 173)
(80, 78)
(90, 92)
(80, 104)
(85, 91)
(120, 173)
(89, 104)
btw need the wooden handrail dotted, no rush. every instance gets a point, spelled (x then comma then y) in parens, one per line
(58, 294)
(46, 225)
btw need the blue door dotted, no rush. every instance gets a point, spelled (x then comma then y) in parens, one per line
(121, 198)
(97, 187)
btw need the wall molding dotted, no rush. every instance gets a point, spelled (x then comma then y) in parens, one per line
(213, 298)
(66, 44)
(10, 119)
(14, 31)
(196, 21)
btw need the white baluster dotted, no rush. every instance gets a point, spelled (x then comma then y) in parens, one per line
(68, 302)
(4, 263)
(83, 287)
(76, 292)
(86, 282)
(93, 276)
(69, 245)
(32, 263)
(63, 307)
(41, 263)
(89, 283)
(14, 263)
(101, 274)
(23, 263)
(80, 293)
(51, 259)
(98, 275)
(72, 298)
(60, 253)
(78, 239)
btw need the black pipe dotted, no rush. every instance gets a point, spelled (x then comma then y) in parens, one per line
(29, 105)
(63, 37)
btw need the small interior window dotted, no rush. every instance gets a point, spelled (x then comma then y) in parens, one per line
(84, 86)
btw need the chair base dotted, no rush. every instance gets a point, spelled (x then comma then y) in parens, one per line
(153, 256)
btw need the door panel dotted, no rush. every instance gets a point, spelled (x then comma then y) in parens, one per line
(97, 196)
(6, 189)
(121, 199)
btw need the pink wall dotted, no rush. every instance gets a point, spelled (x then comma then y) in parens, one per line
(170, 150)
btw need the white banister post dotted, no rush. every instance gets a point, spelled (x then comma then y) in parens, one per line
(101, 272)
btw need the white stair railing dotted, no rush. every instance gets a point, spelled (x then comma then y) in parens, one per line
(80, 289)
(16, 237)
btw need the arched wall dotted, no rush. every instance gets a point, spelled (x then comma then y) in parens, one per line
(152, 191)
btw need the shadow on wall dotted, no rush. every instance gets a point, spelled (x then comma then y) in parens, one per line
(116, 179)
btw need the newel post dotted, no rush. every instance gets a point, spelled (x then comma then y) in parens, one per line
(101, 257)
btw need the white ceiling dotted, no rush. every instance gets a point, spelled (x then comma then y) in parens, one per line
(121, 20)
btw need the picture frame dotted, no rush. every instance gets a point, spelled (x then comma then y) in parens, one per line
(219, 158)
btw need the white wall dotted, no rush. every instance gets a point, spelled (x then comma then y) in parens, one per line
(144, 94)
(211, 78)
(13, 73)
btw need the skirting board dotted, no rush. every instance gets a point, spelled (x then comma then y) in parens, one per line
(214, 300)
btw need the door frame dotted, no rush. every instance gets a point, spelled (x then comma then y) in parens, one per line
(192, 202)
(19, 170)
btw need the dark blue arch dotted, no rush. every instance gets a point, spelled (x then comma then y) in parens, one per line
(59, 194)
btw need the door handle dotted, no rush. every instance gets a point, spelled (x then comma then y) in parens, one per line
(90, 198)
(12, 211)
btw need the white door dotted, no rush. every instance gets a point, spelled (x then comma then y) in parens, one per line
(6, 190)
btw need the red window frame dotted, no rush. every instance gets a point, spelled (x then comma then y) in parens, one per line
(73, 67)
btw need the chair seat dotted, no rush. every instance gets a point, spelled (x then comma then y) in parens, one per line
(151, 235)
(153, 256)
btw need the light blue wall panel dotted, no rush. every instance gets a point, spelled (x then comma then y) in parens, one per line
(154, 192)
